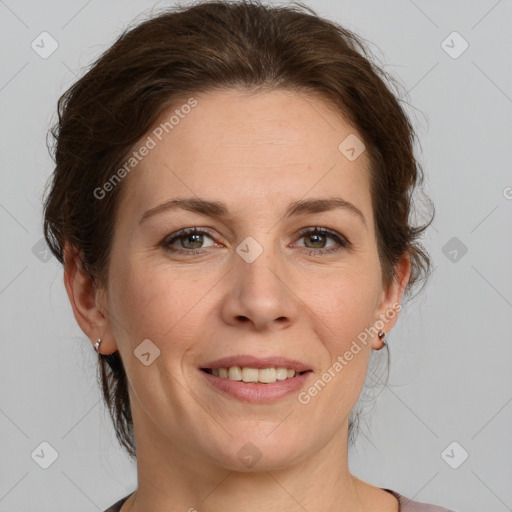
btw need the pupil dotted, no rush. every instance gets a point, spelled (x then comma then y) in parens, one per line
(318, 237)
(197, 239)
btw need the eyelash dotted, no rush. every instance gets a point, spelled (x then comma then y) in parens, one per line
(342, 242)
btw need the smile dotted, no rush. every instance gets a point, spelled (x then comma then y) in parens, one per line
(256, 379)
(248, 374)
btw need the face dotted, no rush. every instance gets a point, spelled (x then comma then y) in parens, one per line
(277, 268)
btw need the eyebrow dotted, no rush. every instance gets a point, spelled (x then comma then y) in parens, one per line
(219, 209)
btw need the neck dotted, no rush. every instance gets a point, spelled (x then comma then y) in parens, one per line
(169, 476)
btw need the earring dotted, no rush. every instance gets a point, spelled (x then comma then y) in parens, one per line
(97, 345)
(382, 335)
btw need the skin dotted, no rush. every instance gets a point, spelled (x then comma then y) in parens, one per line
(256, 152)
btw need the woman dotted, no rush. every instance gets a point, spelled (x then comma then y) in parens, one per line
(230, 203)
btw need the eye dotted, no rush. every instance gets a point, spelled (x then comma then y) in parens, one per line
(190, 240)
(318, 238)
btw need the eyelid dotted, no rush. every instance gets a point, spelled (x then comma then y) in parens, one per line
(176, 235)
(325, 231)
(341, 241)
(319, 229)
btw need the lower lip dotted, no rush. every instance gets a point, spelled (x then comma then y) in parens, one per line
(255, 392)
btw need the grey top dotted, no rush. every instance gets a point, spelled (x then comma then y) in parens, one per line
(406, 505)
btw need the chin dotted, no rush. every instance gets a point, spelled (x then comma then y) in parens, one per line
(260, 453)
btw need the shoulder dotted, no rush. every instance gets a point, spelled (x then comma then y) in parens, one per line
(116, 507)
(407, 505)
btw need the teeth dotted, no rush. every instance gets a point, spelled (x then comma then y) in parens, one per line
(282, 373)
(245, 374)
(249, 374)
(235, 373)
(267, 375)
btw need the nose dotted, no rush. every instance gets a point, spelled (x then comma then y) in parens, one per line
(260, 295)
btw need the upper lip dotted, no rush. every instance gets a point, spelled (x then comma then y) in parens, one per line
(257, 362)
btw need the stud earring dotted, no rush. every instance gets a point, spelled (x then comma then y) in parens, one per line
(382, 335)
(97, 345)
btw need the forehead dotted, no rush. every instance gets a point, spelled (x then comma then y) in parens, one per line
(247, 148)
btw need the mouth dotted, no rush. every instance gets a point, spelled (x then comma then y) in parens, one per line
(256, 380)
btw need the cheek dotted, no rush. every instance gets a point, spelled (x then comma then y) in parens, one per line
(345, 302)
(150, 301)
(344, 308)
(343, 312)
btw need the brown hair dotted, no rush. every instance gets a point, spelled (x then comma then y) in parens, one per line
(198, 48)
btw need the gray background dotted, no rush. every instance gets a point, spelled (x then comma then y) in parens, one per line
(451, 350)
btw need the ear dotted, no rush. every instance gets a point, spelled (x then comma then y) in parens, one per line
(389, 305)
(88, 301)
